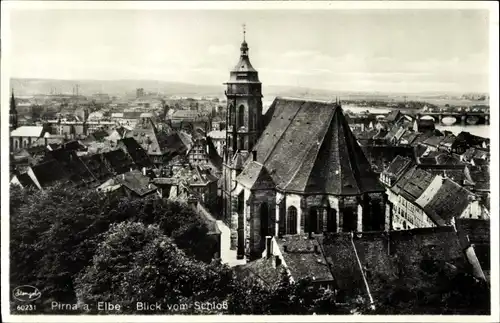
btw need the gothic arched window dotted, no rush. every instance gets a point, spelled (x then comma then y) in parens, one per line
(232, 115)
(291, 220)
(241, 116)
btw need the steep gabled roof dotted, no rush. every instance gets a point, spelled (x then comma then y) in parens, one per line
(416, 185)
(398, 165)
(308, 147)
(136, 152)
(25, 180)
(255, 176)
(448, 202)
(119, 161)
(49, 172)
(393, 116)
(96, 166)
(77, 171)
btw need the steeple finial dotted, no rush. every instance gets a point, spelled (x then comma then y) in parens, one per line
(244, 31)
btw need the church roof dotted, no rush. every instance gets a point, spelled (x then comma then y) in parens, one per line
(255, 176)
(308, 147)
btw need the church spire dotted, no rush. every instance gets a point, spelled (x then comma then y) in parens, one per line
(12, 102)
(244, 45)
(12, 112)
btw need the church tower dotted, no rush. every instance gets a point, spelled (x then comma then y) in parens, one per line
(244, 125)
(12, 113)
(244, 104)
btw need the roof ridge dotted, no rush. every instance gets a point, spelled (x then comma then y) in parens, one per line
(304, 99)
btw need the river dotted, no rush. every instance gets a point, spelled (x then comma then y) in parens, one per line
(478, 130)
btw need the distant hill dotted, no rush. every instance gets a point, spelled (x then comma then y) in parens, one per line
(128, 87)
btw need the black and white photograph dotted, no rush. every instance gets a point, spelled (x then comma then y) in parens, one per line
(250, 161)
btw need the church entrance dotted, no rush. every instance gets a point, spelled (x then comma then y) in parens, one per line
(315, 221)
(349, 218)
(331, 220)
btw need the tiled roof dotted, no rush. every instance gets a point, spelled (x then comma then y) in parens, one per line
(153, 141)
(472, 153)
(416, 185)
(448, 202)
(398, 165)
(340, 253)
(380, 134)
(97, 167)
(410, 136)
(433, 141)
(385, 257)
(457, 175)
(392, 132)
(399, 134)
(420, 150)
(136, 152)
(136, 182)
(49, 172)
(255, 176)
(447, 159)
(261, 268)
(25, 180)
(77, 171)
(213, 155)
(480, 176)
(308, 147)
(448, 140)
(422, 137)
(478, 231)
(399, 185)
(301, 258)
(98, 135)
(119, 161)
(200, 177)
(393, 116)
(469, 139)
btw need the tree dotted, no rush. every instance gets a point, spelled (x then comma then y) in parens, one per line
(138, 263)
(55, 232)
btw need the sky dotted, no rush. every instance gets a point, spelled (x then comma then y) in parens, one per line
(339, 50)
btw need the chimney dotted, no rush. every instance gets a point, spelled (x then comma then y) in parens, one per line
(277, 261)
(316, 249)
(268, 247)
(149, 186)
(285, 248)
(254, 155)
(123, 176)
(144, 171)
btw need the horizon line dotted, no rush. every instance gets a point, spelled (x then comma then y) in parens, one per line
(270, 85)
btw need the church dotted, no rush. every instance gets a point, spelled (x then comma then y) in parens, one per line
(297, 169)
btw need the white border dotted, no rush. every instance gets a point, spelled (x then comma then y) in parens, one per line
(492, 6)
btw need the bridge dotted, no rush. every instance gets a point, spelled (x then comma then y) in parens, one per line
(443, 117)
(464, 118)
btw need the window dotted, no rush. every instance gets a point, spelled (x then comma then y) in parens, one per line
(291, 220)
(241, 116)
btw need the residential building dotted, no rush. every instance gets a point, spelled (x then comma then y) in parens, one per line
(25, 136)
